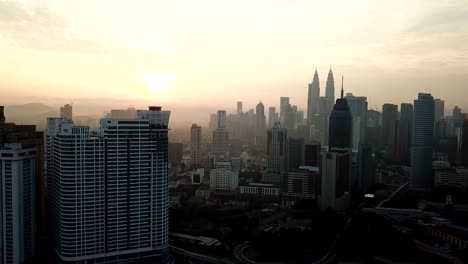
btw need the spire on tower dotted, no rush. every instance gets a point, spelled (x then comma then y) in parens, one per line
(342, 90)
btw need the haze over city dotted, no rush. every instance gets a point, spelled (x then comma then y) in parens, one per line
(213, 53)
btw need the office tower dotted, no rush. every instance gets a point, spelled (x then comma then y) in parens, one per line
(330, 92)
(289, 117)
(399, 144)
(195, 145)
(313, 98)
(175, 153)
(17, 203)
(108, 189)
(2, 115)
(448, 145)
(389, 116)
(464, 143)
(340, 133)
(272, 118)
(358, 108)
(439, 109)
(129, 113)
(284, 101)
(366, 168)
(336, 177)
(239, 107)
(213, 122)
(312, 155)
(260, 118)
(456, 113)
(422, 145)
(221, 137)
(296, 153)
(66, 111)
(277, 152)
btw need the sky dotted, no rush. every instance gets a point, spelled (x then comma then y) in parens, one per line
(217, 52)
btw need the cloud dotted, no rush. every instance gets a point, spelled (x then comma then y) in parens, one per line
(37, 27)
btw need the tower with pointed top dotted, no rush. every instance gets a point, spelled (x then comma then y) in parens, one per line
(330, 91)
(313, 98)
(341, 125)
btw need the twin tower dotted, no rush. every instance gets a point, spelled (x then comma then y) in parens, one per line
(315, 103)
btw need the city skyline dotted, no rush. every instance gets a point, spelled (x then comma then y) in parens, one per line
(158, 57)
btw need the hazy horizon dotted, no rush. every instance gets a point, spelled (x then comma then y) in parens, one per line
(209, 54)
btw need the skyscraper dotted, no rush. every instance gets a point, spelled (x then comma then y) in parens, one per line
(2, 115)
(399, 144)
(358, 107)
(221, 136)
(66, 112)
(313, 98)
(366, 168)
(277, 152)
(422, 146)
(389, 116)
(17, 203)
(239, 107)
(296, 151)
(341, 125)
(195, 145)
(108, 190)
(336, 177)
(439, 109)
(406, 112)
(271, 116)
(330, 91)
(284, 102)
(260, 118)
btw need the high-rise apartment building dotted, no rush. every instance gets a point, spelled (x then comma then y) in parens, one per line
(17, 203)
(313, 99)
(66, 112)
(108, 189)
(422, 145)
(195, 145)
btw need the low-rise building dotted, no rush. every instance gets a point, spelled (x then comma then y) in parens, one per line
(452, 177)
(259, 190)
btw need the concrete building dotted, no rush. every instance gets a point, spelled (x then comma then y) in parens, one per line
(296, 151)
(17, 203)
(239, 107)
(366, 168)
(129, 113)
(284, 102)
(264, 191)
(224, 179)
(260, 119)
(422, 146)
(197, 176)
(66, 112)
(109, 189)
(304, 183)
(195, 145)
(452, 177)
(399, 144)
(221, 136)
(272, 116)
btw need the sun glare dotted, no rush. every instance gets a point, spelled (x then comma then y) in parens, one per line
(158, 81)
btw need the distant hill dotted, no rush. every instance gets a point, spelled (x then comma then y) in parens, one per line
(30, 114)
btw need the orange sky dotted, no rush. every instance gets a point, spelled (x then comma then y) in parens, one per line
(216, 52)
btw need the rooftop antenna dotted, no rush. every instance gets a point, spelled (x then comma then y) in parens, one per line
(342, 90)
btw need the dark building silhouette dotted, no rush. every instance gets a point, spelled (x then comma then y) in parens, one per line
(2, 114)
(341, 125)
(389, 116)
(296, 153)
(399, 144)
(175, 153)
(449, 146)
(312, 155)
(313, 99)
(366, 168)
(464, 143)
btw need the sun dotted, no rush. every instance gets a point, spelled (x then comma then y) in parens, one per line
(158, 81)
